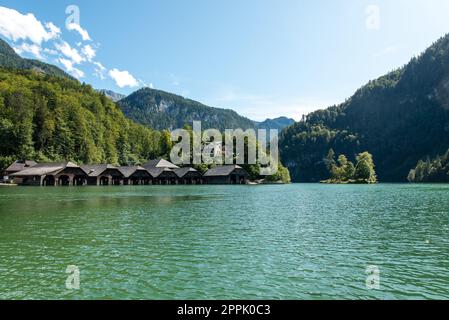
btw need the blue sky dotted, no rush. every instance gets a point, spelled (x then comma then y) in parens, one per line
(261, 58)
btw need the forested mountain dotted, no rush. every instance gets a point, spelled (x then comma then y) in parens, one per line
(162, 110)
(49, 118)
(399, 118)
(114, 96)
(277, 123)
(9, 59)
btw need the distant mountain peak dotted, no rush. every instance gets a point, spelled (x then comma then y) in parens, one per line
(276, 123)
(159, 110)
(114, 96)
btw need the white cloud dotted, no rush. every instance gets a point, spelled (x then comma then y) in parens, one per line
(69, 52)
(88, 52)
(53, 30)
(77, 73)
(15, 26)
(34, 49)
(99, 65)
(144, 84)
(83, 32)
(123, 78)
(99, 70)
(66, 63)
(387, 51)
(51, 51)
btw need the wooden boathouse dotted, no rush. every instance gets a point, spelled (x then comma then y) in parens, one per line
(19, 165)
(103, 175)
(162, 171)
(135, 175)
(229, 174)
(188, 175)
(163, 176)
(158, 172)
(52, 174)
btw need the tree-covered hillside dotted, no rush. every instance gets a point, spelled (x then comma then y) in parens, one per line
(399, 118)
(9, 59)
(162, 110)
(50, 118)
(436, 170)
(46, 115)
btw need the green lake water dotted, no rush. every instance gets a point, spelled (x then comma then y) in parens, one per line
(299, 241)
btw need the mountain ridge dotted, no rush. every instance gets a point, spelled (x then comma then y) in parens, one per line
(161, 110)
(278, 123)
(114, 96)
(11, 60)
(400, 118)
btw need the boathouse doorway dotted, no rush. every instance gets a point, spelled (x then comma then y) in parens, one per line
(49, 181)
(116, 181)
(104, 181)
(64, 181)
(79, 181)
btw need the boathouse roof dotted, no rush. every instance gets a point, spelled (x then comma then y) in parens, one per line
(156, 172)
(181, 172)
(20, 165)
(224, 170)
(94, 170)
(128, 171)
(41, 169)
(159, 163)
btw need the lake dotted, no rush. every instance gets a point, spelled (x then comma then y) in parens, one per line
(298, 241)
